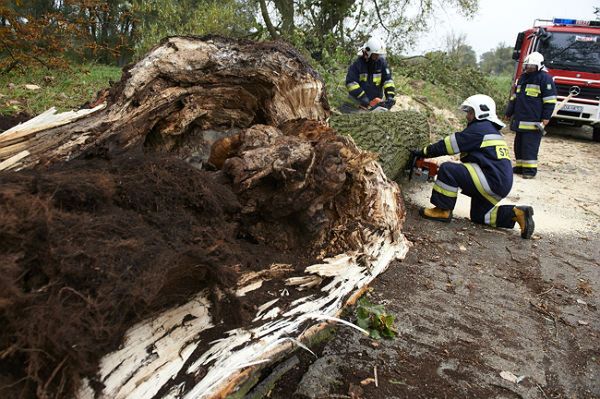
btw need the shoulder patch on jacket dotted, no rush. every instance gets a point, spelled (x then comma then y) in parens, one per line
(549, 86)
(387, 70)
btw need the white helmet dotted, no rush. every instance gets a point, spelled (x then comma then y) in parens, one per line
(534, 58)
(373, 46)
(484, 108)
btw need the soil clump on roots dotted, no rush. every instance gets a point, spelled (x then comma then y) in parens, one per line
(89, 248)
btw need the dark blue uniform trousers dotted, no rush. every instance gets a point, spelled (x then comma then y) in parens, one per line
(527, 146)
(451, 177)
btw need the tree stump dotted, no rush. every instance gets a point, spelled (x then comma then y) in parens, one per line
(187, 230)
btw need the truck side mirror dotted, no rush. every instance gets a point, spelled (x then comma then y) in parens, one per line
(517, 49)
(543, 34)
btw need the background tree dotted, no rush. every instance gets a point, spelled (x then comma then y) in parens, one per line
(114, 31)
(111, 31)
(459, 51)
(159, 18)
(327, 24)
(497, 61)
(108, 28)
(32, 32)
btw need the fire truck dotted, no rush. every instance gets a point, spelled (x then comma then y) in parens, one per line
(571, 50)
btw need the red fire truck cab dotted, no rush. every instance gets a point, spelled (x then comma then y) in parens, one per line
(571, 50)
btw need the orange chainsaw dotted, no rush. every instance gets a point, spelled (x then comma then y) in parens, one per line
(421, 169)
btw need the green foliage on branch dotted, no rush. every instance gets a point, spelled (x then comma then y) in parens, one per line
(459, 82)
(161, 18)
(351, 22)
(375, 319)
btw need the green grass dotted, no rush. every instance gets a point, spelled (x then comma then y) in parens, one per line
(501, 85)
(64, 89)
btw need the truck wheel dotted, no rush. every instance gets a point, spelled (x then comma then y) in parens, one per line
(596, 133)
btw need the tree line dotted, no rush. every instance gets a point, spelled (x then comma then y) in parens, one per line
(496, 61)
(51, 32)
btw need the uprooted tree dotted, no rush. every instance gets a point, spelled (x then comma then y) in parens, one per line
(187, 229)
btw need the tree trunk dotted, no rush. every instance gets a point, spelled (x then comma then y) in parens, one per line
(390, 134)
(265, 14)
(286, 11)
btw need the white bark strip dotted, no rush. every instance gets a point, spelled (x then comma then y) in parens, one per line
(153, 352)
(133, 373)
(46, 120)
(14, 160)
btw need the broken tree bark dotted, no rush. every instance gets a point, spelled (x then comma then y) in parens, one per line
(184, 88)
(256, 112)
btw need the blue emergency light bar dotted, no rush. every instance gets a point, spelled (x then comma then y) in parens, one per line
(578, 22)
(562, 21)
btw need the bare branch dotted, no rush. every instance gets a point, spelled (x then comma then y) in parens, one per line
(379, 16)
(265, 14)
(362, 3)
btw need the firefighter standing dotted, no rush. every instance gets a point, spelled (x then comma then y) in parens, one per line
(530, 106)
(485, 173)
(369, 77)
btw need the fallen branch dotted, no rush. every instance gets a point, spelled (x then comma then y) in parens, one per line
(511, 255)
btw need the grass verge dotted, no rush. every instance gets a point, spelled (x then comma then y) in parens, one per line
(64, 89)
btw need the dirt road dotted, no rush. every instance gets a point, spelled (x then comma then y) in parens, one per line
(473, 302)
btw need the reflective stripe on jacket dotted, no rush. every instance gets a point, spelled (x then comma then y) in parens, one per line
(484, 151)
(533, 100)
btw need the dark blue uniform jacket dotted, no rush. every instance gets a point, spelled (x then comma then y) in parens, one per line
(480, 143)
(533, 100)
(370, 79)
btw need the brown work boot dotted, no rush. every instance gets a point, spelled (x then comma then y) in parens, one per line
(441, 215)
(524, 217)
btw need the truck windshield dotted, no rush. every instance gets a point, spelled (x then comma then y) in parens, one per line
(572, 51)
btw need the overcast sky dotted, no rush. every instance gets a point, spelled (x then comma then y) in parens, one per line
(499, 21)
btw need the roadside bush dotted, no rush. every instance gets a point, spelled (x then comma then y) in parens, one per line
(459, 82)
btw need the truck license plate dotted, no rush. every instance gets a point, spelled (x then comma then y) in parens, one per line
(572, 108)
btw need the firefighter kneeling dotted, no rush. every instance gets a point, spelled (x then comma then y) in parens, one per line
(485, 173)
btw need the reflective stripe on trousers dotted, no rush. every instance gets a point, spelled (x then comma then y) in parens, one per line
(481, 183)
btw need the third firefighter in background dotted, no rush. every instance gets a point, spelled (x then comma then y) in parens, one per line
(531, 105)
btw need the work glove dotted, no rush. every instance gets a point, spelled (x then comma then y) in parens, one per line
(389, 103)
(417, 152)
(364, 101)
